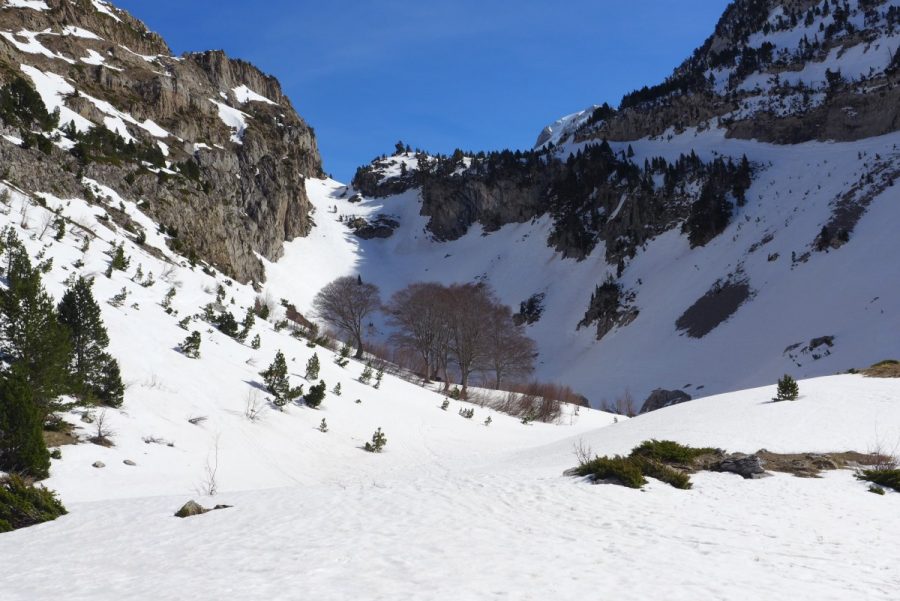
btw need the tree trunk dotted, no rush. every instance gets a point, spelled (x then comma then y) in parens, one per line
(359, 347)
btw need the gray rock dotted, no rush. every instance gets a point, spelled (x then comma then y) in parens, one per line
(129, 462)
(660, 398)
(191, 508)
(746, 466)
(381, 227)
(98, 464)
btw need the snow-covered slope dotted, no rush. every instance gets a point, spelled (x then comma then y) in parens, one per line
(453, 509)
(852, 293)
(813, 306)
(165, 388)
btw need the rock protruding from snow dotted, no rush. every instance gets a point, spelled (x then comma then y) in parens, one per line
(746, 466)
(189, 509)
(660, 398)
(192, 508)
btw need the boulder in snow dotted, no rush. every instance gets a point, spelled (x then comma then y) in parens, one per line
(746, 466)
(660, 398)
(192, 508)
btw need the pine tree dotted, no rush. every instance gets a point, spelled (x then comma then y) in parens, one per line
(191, 345)
(344, 357)
(315, 396)
(167, 301)
(366, 375)
(312, 368)
(378, 442)
(226, 324)
(119, 261)
(109, 388)
(94, 373)
(246, 326)
(788, 390)
(277, 383)
(22, 448)
(337, 389)
(255, 343)
(31, 335)
(378, 376)
(60, 225)
(119, 299)
(323, 427)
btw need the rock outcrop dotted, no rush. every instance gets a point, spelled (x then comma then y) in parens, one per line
(660, 398)
(746, 466)
(192, 508)
(229, 183)
(758, 86)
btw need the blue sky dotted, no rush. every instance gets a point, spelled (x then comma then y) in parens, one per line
(474, 74)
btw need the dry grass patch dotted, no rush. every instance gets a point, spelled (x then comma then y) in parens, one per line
(889, 368)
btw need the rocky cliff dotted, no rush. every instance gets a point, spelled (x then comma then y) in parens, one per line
(211, 146)
(782, 71)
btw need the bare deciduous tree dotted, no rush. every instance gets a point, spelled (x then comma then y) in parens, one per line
(210, 485)
(253, 407)
(419, 318)
(509, 352)
(462, 322)
(469, 310)
(346, 303)
(102, 432)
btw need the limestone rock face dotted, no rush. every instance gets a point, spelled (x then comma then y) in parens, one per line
(759, 93)
(244, 194)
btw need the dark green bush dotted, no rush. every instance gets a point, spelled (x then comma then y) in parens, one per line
(21, 105)
(100, 145)
(669, 451)
(315, 396)
(889, 478)
(664, 473)
(650, 459)
(624, 470)
(22, 504)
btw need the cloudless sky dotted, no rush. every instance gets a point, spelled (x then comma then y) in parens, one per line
(473, 74)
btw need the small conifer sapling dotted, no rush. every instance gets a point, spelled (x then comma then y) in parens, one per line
(276, 379)
(315, 396)
(379, 440)
(312, 368)
(366, 375)
(191, 345)
(788, 390)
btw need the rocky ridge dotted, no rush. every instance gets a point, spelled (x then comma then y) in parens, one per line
(227, 152)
